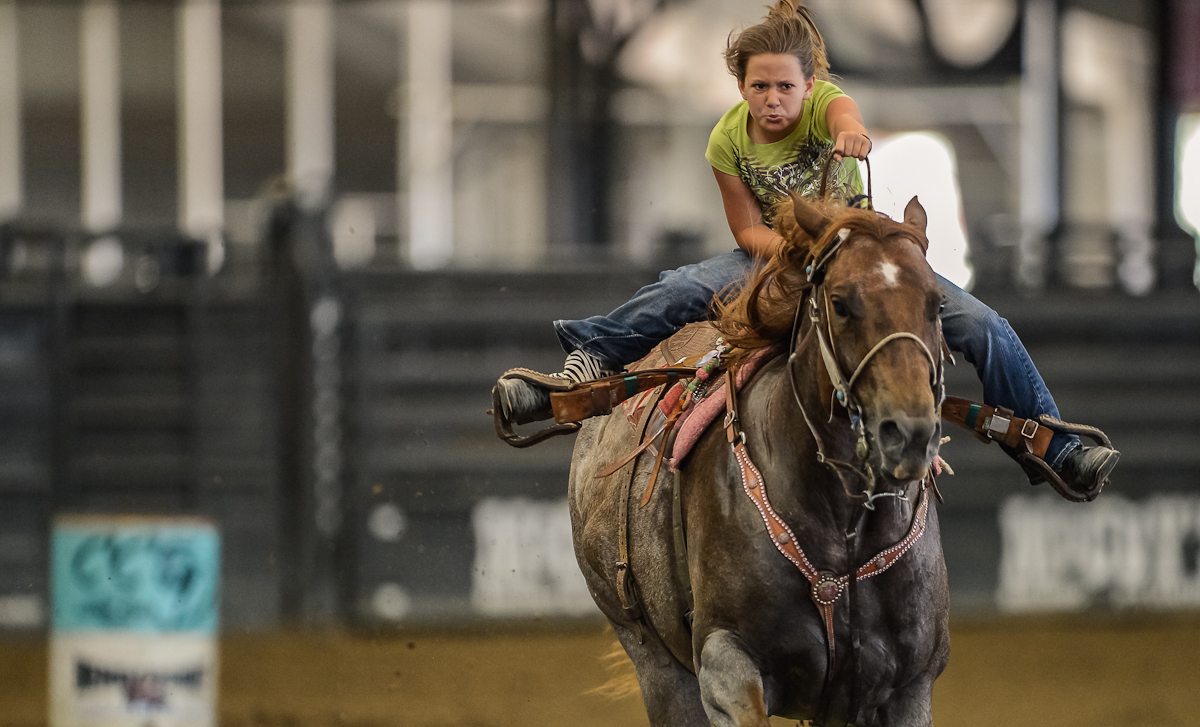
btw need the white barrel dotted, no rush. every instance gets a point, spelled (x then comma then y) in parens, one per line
(133, 636)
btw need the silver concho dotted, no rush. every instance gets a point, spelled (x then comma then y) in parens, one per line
(826, 590)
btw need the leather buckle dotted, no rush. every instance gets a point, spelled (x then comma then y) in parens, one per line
(729, 419)
(1026, 431)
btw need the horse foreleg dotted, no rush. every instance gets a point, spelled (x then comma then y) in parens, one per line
(911, 707)
(669, 691)
(731, 686)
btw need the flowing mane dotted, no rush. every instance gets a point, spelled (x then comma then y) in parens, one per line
(762, 312)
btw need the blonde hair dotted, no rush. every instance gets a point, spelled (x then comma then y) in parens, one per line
(788, 29)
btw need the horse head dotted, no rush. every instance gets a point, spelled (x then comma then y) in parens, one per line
(874, 309)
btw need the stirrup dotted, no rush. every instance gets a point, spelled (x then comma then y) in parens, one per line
(504, 426)
(1040, 466)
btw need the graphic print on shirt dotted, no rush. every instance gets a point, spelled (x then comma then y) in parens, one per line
(802, 174)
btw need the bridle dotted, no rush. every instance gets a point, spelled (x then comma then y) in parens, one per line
(821, 328)
(843, 386)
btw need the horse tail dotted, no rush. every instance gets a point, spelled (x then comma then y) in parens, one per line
(623, 680)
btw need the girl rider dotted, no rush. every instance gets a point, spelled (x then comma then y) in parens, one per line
(768, 146)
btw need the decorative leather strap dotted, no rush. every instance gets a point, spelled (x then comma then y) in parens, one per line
(998, 424)
(825, 588)
(651, 436)
(597, 398)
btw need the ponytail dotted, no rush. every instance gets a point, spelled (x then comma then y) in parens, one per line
(788, 29)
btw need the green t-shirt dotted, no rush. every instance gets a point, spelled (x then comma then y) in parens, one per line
(792, 164)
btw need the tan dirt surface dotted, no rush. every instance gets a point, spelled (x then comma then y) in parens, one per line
(1086, 672)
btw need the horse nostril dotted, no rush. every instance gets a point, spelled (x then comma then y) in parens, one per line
(903, 436)
(893, 435)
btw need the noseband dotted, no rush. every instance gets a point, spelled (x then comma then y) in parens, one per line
(844, 387)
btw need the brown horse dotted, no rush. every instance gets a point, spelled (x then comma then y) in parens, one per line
(756, 642)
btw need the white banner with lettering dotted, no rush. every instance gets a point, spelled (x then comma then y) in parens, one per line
(525, 561)
(1059, 556)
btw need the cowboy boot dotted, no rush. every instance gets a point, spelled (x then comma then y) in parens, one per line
(525, 394)
(1085, 468)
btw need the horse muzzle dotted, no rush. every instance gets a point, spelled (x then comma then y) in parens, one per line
(907, 444)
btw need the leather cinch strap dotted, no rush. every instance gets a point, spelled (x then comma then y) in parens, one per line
(1029, 438)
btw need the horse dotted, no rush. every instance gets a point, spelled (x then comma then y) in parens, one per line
(751, 635)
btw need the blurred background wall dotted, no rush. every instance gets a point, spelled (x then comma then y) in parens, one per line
(263, 260)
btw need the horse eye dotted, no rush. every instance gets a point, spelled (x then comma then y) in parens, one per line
(840, 308)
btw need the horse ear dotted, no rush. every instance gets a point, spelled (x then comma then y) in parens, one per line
(809, 217)
(914, 214)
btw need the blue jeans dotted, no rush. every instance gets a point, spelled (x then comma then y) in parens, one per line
(683, 296)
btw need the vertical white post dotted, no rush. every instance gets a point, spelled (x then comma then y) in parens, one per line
(310, 152)
(1039, 176)
(1129, 155)
(11, 185)
(100, 81)
(429, 177)
(201, 168)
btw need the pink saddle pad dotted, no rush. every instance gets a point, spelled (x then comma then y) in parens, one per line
(703, 413)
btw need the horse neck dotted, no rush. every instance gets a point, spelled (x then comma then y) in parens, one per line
(819, 489)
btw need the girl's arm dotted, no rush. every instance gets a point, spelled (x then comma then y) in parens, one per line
(847, 129)
(745, 217)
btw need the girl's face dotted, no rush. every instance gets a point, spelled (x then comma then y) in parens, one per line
(776, 88)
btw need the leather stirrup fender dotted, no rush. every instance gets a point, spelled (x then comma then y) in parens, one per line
(571, 403)
(1030, 438)
(599, 397)
(992, 424)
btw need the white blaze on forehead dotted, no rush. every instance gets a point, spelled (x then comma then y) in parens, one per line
(890, 272)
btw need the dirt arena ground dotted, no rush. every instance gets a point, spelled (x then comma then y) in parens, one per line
(1091, 672)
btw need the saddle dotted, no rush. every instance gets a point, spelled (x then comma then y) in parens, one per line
(660, 413)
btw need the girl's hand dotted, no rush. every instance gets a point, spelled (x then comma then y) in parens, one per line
(852, 144)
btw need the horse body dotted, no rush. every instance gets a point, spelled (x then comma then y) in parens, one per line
(757, 644)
